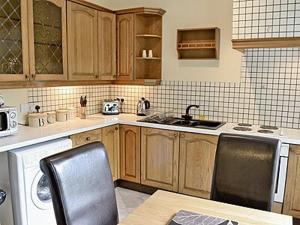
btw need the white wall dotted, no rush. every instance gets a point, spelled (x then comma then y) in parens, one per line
(16, 97)
(192, 14)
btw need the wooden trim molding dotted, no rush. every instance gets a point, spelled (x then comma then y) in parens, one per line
(145, 10)
(242, 44)
(91, 5)
(41, 84)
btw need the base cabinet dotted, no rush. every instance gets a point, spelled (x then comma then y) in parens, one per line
(159, 158)
(197, 157)
(86, 137)
(291, 204)
(130, 153)
(110, 139)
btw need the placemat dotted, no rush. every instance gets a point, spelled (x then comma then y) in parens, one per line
(190, 218)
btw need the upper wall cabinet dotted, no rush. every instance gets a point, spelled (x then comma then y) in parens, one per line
(138, 30)
(91, 43)
(107, 45)
(37, 53)
(14, 63)
(33, 40)
(125, 46)
(82, 42)
(265, 24)
(47, 40)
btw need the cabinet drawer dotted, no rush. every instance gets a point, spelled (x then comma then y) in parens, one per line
(86, 137)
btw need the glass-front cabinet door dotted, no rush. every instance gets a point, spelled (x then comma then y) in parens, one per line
(14, 64)
(47, 39)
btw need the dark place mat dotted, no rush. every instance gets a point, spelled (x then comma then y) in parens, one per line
(189, 218)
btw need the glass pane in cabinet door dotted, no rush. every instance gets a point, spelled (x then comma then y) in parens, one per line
(10, 37)
(47, 37)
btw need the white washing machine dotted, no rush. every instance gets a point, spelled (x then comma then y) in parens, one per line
(31, 197)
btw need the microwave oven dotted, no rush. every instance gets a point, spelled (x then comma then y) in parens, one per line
(8, 121)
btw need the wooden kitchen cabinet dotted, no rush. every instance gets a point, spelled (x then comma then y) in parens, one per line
(130, 153)
(86, 137)
(159, 158)
(14, 61)
(47, 40)
(197, 159)
(125, 38)
(110, 139)
(33, 40)
(107, 45)
(82, 42)
(291, 205)
(137, 30)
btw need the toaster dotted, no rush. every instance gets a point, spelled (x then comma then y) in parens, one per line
(110, 107)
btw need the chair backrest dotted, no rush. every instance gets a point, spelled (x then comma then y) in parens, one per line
(81, 186)
(245, 171)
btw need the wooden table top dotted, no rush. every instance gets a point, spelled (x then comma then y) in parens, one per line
(162, 206)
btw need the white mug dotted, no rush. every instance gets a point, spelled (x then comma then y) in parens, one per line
(150, 54)
(144, 54)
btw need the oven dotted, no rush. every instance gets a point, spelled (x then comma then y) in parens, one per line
(282, 173)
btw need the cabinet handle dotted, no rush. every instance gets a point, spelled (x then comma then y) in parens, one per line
(88, 139)
(182, 135)
(175, 134)
(97, 76)
(27, 77)
(33, 76)
(117, 128)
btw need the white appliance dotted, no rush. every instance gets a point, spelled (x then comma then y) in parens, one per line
(8, 120)
(282, 173)
(110, 107)
(272, 132)
(6, 214)
(31, 198)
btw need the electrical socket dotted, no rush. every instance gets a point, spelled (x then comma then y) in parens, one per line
(27, 108)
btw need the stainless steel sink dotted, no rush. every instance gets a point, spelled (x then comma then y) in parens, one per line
(204, 124)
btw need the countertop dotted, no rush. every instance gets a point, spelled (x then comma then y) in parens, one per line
(28, 136)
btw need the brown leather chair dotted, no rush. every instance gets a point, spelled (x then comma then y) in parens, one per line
(81, 185)
(245, 171)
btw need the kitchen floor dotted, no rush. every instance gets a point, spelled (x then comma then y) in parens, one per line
(128, 201)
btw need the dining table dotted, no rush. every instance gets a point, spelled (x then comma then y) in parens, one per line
(162, 206)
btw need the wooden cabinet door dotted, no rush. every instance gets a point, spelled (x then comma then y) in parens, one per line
(107, 45)
(159, 158)
(125, 39)
(86, 138)
(47, 39)
(82, 42)
(14, 61)
(130, 153)
(110, 139)
(291, 205)
(197, 157)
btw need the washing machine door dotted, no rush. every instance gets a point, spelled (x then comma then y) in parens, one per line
(40, 192)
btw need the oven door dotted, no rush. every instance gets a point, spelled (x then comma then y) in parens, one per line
(282, 173)
(3, 121)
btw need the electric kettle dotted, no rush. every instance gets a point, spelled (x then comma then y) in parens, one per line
(142, 107)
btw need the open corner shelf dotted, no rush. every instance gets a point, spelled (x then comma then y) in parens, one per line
(201, 43)
(148, 33)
